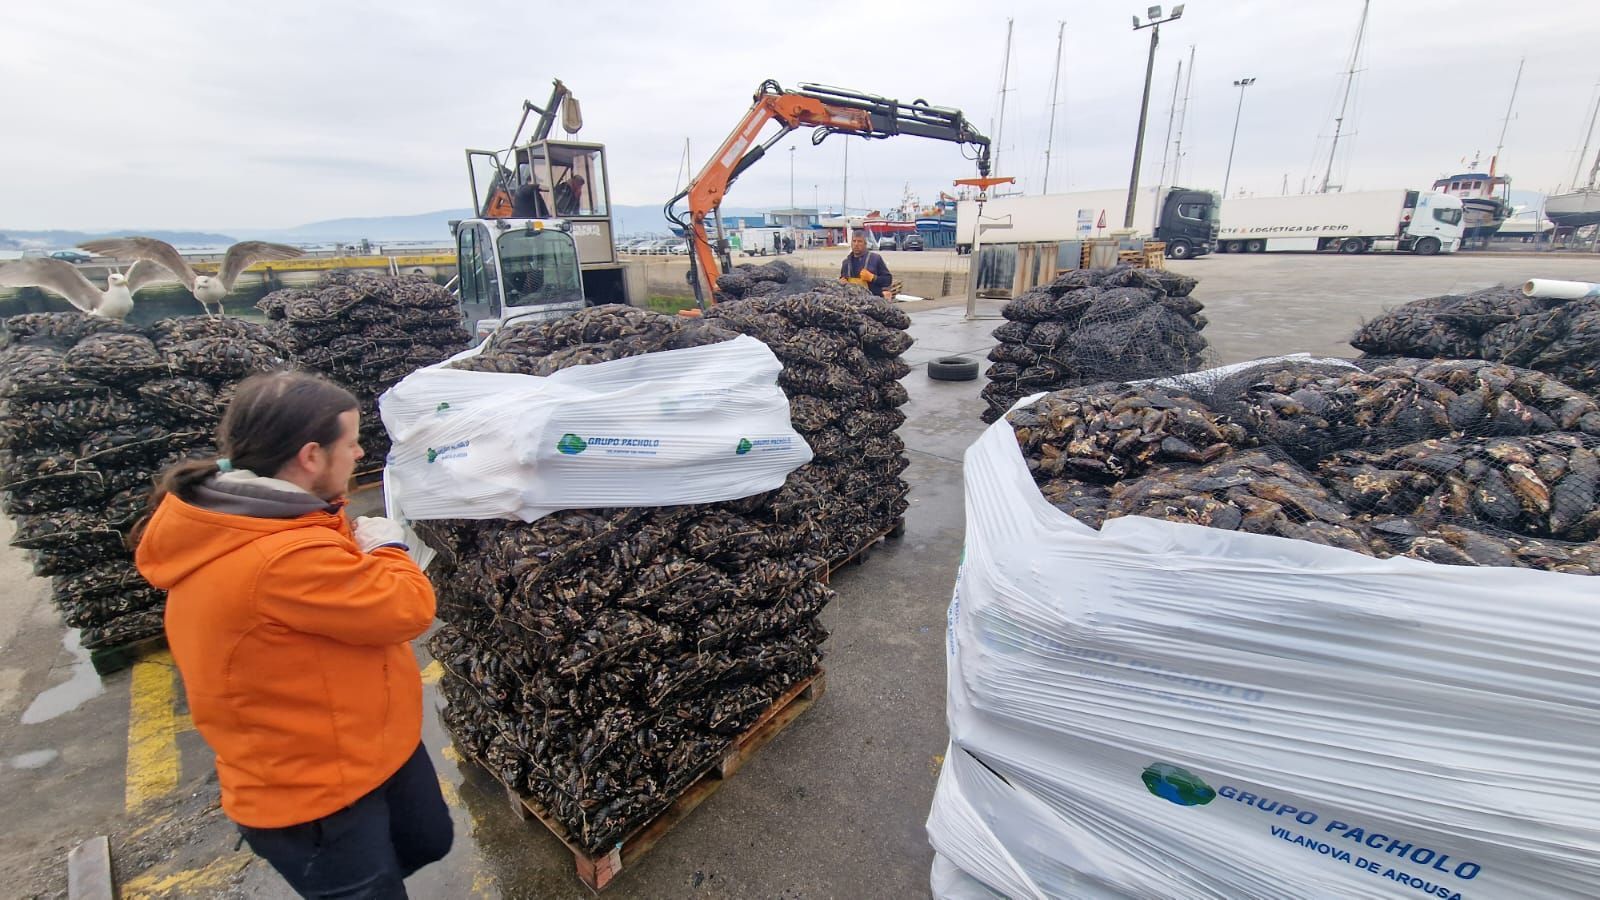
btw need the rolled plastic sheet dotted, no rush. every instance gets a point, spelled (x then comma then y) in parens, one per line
(1560, 290)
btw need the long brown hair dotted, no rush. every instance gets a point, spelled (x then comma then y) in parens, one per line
(270, 418)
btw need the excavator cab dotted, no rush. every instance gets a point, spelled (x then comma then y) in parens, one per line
(512, 270)
(540, 186)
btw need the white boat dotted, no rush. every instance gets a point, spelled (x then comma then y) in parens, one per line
(1579, 208)
(1575, 209)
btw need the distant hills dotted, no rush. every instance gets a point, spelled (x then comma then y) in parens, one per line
(429, 226)
(435, 226)
(22, 239)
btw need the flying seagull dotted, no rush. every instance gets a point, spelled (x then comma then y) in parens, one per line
(208, 289)
(63, 278)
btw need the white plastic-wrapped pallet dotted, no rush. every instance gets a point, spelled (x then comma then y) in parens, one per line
(1167, 710)
(697, 425)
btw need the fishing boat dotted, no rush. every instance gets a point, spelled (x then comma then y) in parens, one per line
(1485, 200)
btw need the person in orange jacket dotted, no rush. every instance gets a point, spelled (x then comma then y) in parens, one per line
(292, 631)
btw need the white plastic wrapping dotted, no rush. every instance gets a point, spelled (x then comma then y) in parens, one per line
(1166, 710)
(698, 425)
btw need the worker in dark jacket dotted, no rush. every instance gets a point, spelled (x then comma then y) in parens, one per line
(865, 268)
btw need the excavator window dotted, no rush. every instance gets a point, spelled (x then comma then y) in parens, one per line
(539, 267)
(477, 303)
(579, 176)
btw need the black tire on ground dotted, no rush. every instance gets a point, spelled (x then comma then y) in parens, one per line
(953, 368)
(1236, 246)
(1256, 246)
(1352, 245)
(1427, 246)
(1179, 250)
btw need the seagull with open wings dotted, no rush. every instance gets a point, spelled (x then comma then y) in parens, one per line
(208, 289)
(63, 279)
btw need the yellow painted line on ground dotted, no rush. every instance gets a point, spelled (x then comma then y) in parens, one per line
(152, 731)
(432, 672)
(207, 880)
(451, 798)
(451, 753)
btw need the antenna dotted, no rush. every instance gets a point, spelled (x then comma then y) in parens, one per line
(1055, 86)
(1349, 81)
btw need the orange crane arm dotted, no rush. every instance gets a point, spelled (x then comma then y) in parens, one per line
(828, 110)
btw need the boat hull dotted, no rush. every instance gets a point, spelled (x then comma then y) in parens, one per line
(1577, 209)
(1482, 216)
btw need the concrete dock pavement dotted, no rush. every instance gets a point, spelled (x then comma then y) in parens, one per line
(834, 807)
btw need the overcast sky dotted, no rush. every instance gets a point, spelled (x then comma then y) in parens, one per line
(213, 115)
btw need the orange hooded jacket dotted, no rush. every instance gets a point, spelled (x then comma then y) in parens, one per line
(293, 645)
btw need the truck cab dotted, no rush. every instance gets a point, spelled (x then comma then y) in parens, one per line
(1430, 223)
(1187, 222)
(516, 270)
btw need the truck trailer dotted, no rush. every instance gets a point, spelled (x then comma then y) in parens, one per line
(1184, 218)
(1393, 220)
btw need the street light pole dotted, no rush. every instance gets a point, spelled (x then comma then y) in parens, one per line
(1155, 23)
(1241, 84)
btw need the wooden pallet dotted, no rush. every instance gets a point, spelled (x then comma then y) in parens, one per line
(863, 552)
(107, 660)
(598, 871)
(362, 482)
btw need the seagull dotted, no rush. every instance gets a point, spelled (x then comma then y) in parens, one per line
(63, 279)
(208, 289)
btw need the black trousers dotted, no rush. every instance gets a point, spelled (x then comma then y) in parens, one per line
(369, 848)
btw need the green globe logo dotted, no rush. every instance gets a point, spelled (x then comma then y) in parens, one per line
(571, 444)
(1177, 784)
(743, 448)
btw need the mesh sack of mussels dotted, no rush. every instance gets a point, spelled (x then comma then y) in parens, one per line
(600, 660)
(773, 279)
(91, 410)
(1094, 325)
(1461, 462)
(1560, 337)
(840, 348)
(366, 332)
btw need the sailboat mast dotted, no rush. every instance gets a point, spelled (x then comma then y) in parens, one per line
(1588, 136)
(1177, 148)
(1166, 145)
(1005, 78)
(1349, 81)
(1055, 86)
(1494, 161)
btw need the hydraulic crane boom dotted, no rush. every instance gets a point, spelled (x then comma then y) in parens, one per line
(829, 111)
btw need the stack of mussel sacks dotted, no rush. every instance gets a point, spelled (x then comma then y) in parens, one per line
(840, 347)
(366, 332)
(1093, 325)
(91, 410)
(772, 279)
(1559, 337)
(599, 660)
(1461, 462)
